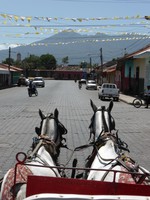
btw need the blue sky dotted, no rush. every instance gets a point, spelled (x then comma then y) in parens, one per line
(28, 21)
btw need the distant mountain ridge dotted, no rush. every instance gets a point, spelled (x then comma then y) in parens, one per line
(82, 47)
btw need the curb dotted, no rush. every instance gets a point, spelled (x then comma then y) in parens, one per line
(125, 101)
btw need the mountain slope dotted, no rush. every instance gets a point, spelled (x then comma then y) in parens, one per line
(81, 47)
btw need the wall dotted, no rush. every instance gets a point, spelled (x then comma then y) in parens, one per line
(147, 73)
(129, 66)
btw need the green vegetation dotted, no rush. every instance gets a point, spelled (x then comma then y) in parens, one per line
(45, 61)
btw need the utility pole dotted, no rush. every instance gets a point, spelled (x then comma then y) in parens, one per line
(9, 75)
(101, 59)
(90, 64)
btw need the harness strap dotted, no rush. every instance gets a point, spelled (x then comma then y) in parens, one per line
(42, 138)
(139, 179)
(129, 169)
(106, 173)
(35, 150)
(44, 162)
(62, 127)
(84, 146)
(122, 163)
(147, 175)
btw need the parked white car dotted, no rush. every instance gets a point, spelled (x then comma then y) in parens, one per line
(108, 90)
(23, 81)
(91, 84)
(83, 81)
(39, 81)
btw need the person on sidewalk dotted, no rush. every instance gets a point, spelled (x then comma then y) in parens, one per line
(147, 96)
(79, 84)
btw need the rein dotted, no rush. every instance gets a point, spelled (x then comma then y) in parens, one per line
(103, 137)
(102, 126)
(52, 147)
(126, 162)
(46, 164)
(43, 140)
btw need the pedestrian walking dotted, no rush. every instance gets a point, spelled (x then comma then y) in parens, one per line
(79, 84)
(147, 96)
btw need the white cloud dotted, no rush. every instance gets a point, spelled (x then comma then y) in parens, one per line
(6, 46)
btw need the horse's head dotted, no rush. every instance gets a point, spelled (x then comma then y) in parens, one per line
(109, 151)
(45, 152)
(51, 130)
(102, 120)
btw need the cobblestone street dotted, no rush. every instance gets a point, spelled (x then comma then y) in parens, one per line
(19, 117)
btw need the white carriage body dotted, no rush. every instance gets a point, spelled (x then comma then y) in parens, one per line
(83, 197)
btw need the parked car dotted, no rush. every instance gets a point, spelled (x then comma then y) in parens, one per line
(39, 81)
(83, 81)
(23, 81)
(91, 84)
(108, 90)
(27, 82)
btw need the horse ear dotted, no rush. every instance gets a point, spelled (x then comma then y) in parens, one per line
(94, 107)
(56, 113)
(110, 106)
(41, 114)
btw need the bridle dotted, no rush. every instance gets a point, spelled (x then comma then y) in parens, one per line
(105, 127)
(108, 132)
(61, 130)
(43, 140)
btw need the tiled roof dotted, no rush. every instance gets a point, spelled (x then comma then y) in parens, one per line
(139, 52)
(110, 69)
(6, 67)
(69, 68)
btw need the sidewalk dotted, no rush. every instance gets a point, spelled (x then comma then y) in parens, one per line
(126, 98)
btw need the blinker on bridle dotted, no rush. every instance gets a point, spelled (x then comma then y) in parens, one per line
(105, 127)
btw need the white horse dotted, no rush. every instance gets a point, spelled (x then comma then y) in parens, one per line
(110, 154)
(45, 151)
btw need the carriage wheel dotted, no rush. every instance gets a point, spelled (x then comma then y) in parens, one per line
(30, 93)
(137, 103)
(36, 93)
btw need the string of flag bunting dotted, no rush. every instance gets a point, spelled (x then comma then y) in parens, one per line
(79, 41)
(30, 18)
(55, 31)
(11, 20)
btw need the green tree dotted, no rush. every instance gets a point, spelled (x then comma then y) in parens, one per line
(83, 64)
(33, 62)
(48, 61)
(45, 61)
(65, 60)
(9, 61)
